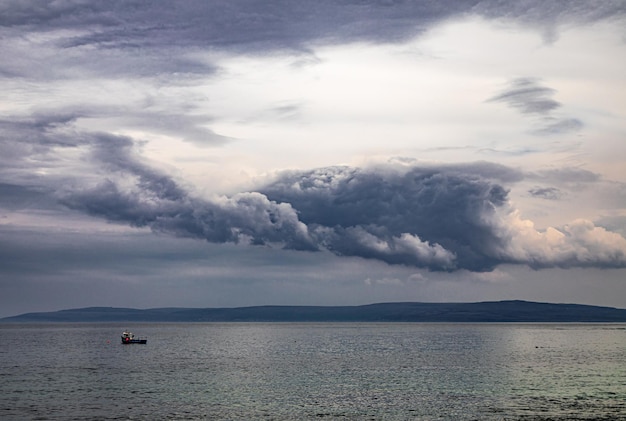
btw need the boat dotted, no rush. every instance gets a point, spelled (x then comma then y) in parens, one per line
(129, 338)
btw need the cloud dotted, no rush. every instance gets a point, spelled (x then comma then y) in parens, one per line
(566, 175)
(548, 16)
(550, 193)
(384, 281)
(615, 223)
(32, 142)
(133, 192)
(579, 244)
(528, 96)
(376, 213)
(557, 183)
(189, 128)
(440, 217)
(407, 249)
(147, 39)
(556, 126)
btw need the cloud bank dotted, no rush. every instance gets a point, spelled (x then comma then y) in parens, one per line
(440, 217)
(444, 218)
(151, 39)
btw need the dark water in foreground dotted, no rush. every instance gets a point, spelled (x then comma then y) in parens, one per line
(314, 371)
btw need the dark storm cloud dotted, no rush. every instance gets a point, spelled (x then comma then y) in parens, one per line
(135, 193)
(370, 215)
(530, 97)
(154, 203)
(442, 218)
(425, 217)
(147, 38)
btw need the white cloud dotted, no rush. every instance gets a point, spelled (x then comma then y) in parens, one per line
(576, 244)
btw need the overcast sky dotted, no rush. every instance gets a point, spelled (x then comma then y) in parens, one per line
(234, 153)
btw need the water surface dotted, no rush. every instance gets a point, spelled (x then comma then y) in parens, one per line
(312, 371)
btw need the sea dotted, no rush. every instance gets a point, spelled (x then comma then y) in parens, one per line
(306, 371)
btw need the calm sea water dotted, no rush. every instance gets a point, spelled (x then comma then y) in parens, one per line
(286, 371)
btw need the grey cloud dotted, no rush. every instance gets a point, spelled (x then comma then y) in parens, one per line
(16, 196)
(286, 22)
(564, 125)
(227, 24)
(518, 151)
(529, 97)
(24, 49)
(188, 128)
(29, 149)
(566, 175)
(615, 223)
(286, 111)
(486, 170)
(133, 192)
(446, 217)
(247, 217)
(39, 129)
(386, 205)
(283, 111)
(147, 38)
(454, 219)
(56, 128)
(399, 219)
(550, 193)
(547, 16)
(440, 217)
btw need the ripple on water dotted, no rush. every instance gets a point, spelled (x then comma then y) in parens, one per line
(312, 371)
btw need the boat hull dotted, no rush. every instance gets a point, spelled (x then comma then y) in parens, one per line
(134, 341)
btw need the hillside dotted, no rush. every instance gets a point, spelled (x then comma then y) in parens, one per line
(496, 311)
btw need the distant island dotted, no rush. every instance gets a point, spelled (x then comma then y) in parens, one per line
(480, 312)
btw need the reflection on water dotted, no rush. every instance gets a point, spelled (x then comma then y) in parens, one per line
(301, 371)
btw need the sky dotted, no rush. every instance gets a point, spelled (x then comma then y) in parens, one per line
(237, 153)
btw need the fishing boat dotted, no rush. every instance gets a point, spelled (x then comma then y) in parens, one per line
(129, 338)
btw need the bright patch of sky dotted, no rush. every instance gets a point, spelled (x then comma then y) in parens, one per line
(426, 98)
